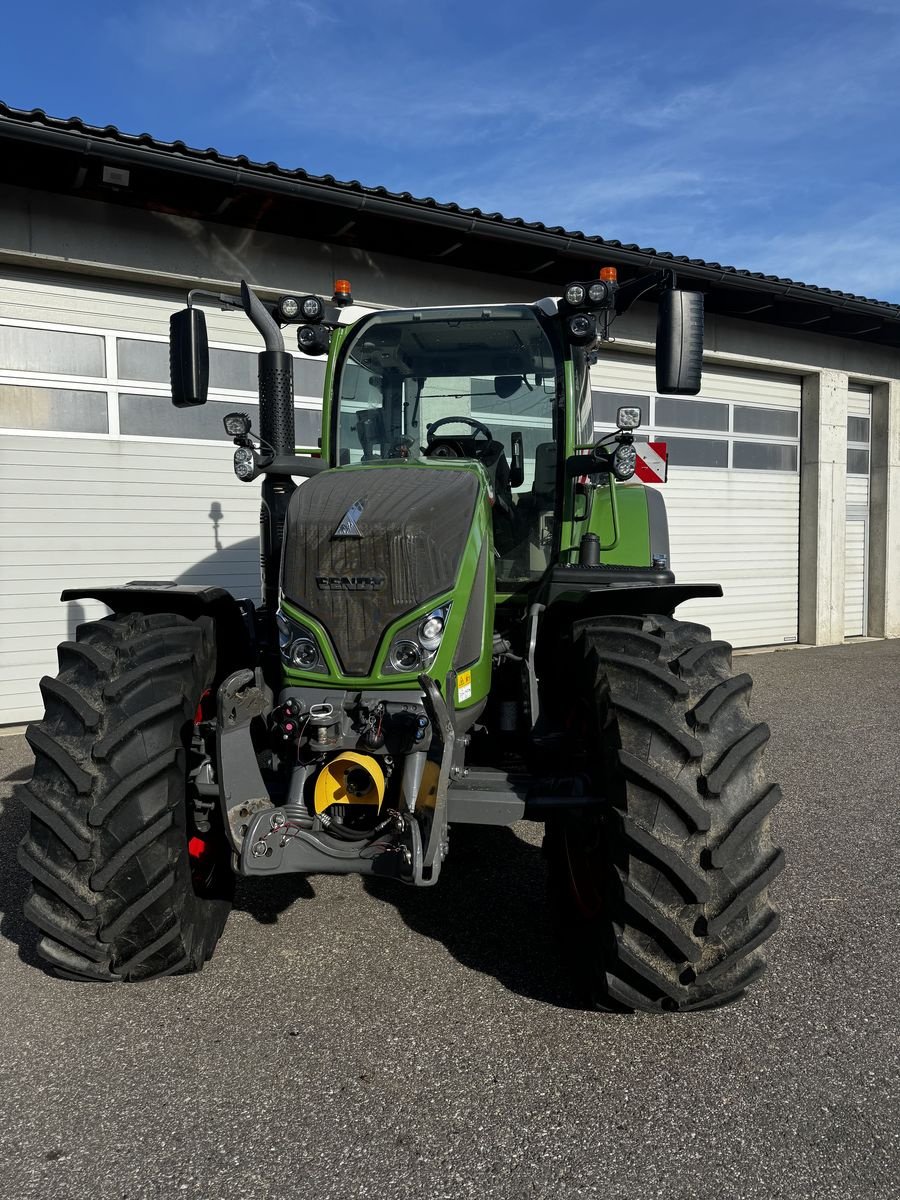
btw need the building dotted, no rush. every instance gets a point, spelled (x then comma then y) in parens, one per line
(785, 483)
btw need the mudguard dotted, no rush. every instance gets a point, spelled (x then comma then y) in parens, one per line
(233, 618)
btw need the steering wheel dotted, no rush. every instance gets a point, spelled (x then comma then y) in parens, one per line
(447, 453)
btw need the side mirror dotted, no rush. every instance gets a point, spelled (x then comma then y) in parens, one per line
(679, 343)
(516, 460)
(188, 357)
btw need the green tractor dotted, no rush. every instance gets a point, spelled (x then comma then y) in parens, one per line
(466, 618)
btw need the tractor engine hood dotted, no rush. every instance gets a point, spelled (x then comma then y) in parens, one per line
(364, 546)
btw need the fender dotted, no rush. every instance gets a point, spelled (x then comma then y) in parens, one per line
(234, 619)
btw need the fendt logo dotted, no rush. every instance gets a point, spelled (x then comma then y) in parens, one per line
(351, 583)
(348, 526)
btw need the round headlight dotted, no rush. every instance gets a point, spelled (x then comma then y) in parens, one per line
(574, 294)
(304, 653)
(244, 463)
(582, 327)
(407, 656)
(431, 631)
(597, 292)
(289, 307)
(313, 339)
(624, 461)
(312, 308)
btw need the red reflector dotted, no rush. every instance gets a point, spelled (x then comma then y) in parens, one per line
(198, 848)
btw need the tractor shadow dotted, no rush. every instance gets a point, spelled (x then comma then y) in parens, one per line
(489, 910)
(13, 880)
(266, 899)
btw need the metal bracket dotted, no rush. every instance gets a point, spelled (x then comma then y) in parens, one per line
(277, 844)
(534, 702)
(441, 721)
(242, 793)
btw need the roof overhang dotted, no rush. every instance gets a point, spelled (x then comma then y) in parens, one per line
(69, 157)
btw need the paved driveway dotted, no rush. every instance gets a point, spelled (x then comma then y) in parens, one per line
(362, 1041)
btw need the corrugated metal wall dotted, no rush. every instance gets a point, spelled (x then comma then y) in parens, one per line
(731, 525)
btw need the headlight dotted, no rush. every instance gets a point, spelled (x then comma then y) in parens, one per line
(415, 647)
(628, 417)
(298, 646)
(431, 630)
(407, 656)
(312, 309)
(574, 294)
(237, 424)
(313, 339)
(288, 307)
(244, 463)
(582, 327)
(623, 462)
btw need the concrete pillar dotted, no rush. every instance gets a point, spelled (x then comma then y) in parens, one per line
(823, 503)
(884, 512)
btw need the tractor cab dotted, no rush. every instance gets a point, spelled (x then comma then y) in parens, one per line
(482, 385)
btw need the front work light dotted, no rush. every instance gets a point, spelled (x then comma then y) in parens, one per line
(288, 308)
(628, 417)
(312, 309)
(598, 293)
(237, 424)
(574, 294)
(582, 328)
(624, 461)
(313, 339)
(244, 463)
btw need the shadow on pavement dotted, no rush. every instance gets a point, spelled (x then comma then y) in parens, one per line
(489, 909)
(266, 899)
(13, 880)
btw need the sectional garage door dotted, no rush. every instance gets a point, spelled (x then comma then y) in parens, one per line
(733, 495)
(101, 479)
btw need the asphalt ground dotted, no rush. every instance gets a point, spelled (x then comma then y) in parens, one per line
(360, 1040)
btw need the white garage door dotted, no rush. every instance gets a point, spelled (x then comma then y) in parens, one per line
(101, 479)
(733, 496)
(859, 410)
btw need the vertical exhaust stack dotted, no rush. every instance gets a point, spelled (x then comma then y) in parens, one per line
(276, 427)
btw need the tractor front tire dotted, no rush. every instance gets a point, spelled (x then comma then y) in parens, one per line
(661, 889)
(117, 892)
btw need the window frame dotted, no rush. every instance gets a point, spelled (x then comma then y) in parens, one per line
(112, 385)
(664, 433)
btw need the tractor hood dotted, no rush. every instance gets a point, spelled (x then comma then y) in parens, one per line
(365, 545)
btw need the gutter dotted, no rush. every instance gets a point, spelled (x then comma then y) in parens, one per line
(465, 224)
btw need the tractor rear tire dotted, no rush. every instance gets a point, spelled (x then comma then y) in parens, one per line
(661, 890)
(116, 893)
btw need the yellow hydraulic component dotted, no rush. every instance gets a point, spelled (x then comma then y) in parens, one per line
(350, 778)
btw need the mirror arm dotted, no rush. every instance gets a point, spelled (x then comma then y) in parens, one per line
(220, 299)
(652, 283)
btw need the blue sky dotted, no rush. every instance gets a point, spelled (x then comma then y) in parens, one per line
(759, 134)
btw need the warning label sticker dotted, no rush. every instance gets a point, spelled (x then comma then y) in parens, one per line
(464, 685)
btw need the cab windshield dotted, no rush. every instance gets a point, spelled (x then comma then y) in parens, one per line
(461, 383)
